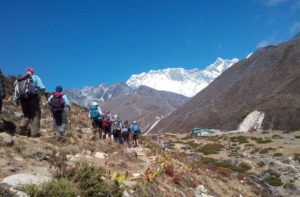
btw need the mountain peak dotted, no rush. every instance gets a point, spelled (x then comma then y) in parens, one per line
(180, 80)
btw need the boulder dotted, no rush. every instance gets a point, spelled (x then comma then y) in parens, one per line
(100, 155)
(17, 180)
(6, 139)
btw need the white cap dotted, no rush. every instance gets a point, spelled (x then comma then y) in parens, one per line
(94, 103)
(116, 116)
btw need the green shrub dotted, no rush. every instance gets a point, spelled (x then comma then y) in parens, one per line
(273, 181)
(207, 160)
(260, 140)
(277, 154)
(242, 167)
(297, 136)
(208, 149)
(224, 164)
(277, 137)
(266, 150)
(192, 144)
(240, 139)
(62, 188)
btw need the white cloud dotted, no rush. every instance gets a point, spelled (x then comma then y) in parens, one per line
(295, 28)
(272, 2)
(263, 43)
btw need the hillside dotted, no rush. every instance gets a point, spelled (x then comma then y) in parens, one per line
(142, 103)
(164, 165)
(267, 81)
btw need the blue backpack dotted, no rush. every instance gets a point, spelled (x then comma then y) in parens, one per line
(94, 113)
(135, 129)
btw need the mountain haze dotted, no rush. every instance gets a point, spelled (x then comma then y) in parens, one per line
(267, 81)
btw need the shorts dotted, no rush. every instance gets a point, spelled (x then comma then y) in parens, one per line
(135, 136)
(97, 123)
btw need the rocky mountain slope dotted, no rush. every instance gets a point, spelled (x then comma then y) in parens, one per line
(164, 165)
(268, 81)
(142, 103)
(180, 80)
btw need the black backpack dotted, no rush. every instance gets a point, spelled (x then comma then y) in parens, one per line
(25, 87)
(57, 102)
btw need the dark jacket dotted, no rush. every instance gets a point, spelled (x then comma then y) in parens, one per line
(2, 87)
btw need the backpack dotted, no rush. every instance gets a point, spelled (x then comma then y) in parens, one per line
(117, 124)
(135, 129)
(94, 112)
(125, 128)
(25, 87)
(57, 102)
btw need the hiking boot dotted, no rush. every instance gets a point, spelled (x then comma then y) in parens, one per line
(35, 135)
(2, 125)
(22, 131)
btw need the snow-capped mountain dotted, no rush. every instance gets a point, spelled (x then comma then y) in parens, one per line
(180, 80)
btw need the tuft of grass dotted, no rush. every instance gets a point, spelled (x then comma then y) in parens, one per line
(297, 157)
(79, 180)
(266, 150)
(277, 154)
(240, 139)
(273, 181)
(297, 136)
(277, 137)
(62, 188)
(260, 140)
(192, 144)
(242, 167)
(208, 149)
(207, 160)
(224, 164)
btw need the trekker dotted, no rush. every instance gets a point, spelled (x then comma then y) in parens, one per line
(2, 96)
(95, 115)
(107, 125)
(116, 129)
(60, 106)
(136, 131)
(126, 132)
(26, 92)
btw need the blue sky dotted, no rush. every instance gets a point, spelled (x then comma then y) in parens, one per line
(86, 42)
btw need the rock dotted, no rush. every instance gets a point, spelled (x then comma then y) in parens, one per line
(125, 194)
(131, 154)
(18, 114)
(18, 180)
(7, 140)
(260, 164)
(20, 159)
(137, 174)
(201, 191)
(100, 155)
(129, 183)
(19, 193)
(192, 158)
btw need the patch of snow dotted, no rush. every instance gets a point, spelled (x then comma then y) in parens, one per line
(253, 121)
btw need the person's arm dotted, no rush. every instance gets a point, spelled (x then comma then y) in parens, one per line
(38, 83)
(67, 103)
(99, 109)
(49, 99)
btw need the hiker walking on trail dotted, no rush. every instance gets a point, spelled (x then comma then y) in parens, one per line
(135, 131)
(26, 92)
(126, 132)
(107, 125)
(95, 115)
(116, 129)
(60, 106)
(2, 96)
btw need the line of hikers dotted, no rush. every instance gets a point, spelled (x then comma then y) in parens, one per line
(27, 89)
(107, 126)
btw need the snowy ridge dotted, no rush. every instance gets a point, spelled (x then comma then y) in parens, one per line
(180, 80)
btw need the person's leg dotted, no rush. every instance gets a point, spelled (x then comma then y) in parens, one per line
(36, 112)
(64, 121)
(120, 137)
(26, 117)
